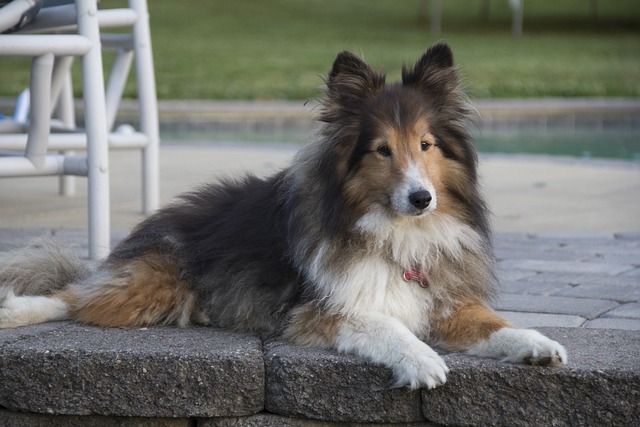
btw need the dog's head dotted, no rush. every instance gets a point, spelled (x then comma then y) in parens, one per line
(403, 149)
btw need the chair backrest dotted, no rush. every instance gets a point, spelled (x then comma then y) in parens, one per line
(32, 147)
(15, 14)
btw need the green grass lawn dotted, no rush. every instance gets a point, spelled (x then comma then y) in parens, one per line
(281, 49)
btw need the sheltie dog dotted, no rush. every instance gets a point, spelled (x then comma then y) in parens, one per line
(375, 241)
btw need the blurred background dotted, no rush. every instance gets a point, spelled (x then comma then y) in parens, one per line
(279, 50)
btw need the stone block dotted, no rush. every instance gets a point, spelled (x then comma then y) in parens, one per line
(272, 420)
(513, 275)
(532, 287)
(584, 307)
(614, 288)
(565, 266)
(554, 249)
(27, 419)
(629, 311)
(601, 386)
(631, 257)
(596, 286)
(323, 384)
(634, 274)
(633, 236)
(568, 278)
(507, 237)
(531, 320)
(258, 420)
(574, 238)
(613, 323)
(155, 372)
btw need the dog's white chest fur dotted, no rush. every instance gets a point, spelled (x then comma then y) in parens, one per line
(373, 282)
(419, 241)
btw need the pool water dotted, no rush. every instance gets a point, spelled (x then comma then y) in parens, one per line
(611, 144)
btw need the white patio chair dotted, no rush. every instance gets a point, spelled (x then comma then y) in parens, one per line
(41, 146)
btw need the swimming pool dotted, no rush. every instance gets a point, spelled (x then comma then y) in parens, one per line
(612, 143)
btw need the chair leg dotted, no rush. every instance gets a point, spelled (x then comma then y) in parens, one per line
(116, 83)
(39, 113)
(148, 107)
(96, 129)
(65, 112)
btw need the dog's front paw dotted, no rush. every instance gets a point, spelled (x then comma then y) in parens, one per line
(522, 346)
(420, 366)
(538, 350)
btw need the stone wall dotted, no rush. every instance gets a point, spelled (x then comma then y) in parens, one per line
(63, 374)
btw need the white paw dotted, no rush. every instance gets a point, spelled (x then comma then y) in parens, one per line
(538, 350)
(522, 346)
(18, 311)
(419, 367)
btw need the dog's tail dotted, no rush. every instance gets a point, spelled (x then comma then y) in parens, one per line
(41, 269)
(46, 282)
(28, 279)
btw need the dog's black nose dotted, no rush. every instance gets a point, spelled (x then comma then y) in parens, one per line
(420, 199)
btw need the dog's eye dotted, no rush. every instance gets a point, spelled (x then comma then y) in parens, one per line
(424, 145)
(384, 150)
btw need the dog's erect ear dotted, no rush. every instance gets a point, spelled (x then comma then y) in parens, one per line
(353, 74)
(434, 74)
(350, 82)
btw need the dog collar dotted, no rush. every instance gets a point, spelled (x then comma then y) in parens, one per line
(415, 275)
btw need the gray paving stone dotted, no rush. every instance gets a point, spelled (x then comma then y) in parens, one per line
(508, 275)
(531, 244)
(565, 266)
(544, 254)
(628, 235)
(601, 386)
(531, 320)
(565, 250)
(629, 311)
(589, 246)
(620, 287)
(155, 372)
(613, 323)
(33, 333)
(584, 307)
(16, 238)
(322, 384)
(612, 288)
(584, 238)
(596, 236)
(615, 251)
(512, 237)
(530, 286)
(635, 273)
(578, 278)
(570, 278)
(631, 258)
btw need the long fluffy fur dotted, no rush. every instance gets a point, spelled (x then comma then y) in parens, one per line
(317, 252)
(42, 268)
